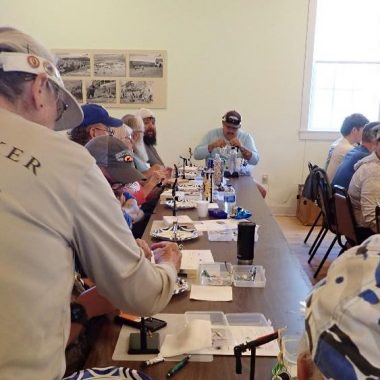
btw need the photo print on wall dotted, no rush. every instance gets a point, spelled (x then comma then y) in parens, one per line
(115, 78)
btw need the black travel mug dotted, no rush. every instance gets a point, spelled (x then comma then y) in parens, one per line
(246, 243)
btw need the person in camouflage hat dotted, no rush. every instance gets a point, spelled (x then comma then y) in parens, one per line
(342, 321)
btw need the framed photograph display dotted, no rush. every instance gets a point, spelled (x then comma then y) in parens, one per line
(115, 78)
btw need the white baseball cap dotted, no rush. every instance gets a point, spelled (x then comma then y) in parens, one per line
(34, 64)
(144, 113)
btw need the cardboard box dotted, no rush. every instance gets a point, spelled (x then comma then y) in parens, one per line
(307, 210)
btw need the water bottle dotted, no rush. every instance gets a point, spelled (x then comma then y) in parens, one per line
(229, 200)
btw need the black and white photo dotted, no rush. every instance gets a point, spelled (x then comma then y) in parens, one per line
(75, 88)
(101, 91)
(74, 64)
(146, 65)
(136, 92)
(116, 78)
(109, 65)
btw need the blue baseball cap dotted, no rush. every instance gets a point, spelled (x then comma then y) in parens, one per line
(94, 114)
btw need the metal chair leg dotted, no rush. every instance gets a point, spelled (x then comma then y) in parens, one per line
(318, 243)
(323, 229)
(312, 227)
(325, 256)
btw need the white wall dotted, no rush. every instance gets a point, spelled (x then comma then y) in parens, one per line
(242, 54)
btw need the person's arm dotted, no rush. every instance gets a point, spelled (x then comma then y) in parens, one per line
(205, 148)
(94, 305)
(248, 150)
(110, 256)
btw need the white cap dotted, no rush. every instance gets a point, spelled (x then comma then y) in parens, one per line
(33, 64)
(144, 113)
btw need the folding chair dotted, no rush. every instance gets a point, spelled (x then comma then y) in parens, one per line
(345, 220)
(326, 203)
(309, 193)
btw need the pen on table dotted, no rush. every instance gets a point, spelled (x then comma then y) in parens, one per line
(156, 360)
(178, 366)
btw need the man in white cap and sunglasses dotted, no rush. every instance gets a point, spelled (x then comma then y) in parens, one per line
(55, 202)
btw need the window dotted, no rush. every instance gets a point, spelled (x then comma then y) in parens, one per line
(342, 70)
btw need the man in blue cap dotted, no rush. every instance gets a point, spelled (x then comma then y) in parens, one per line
(96, 122)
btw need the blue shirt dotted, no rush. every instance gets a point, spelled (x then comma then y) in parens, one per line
(346, 169)
(201, 151)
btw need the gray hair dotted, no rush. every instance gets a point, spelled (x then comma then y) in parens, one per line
(13, 40)
(135, 122)
(369, 131)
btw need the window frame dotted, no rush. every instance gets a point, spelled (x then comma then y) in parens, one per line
(304, 132)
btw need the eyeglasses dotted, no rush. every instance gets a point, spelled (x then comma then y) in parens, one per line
(108, 131)
(61, 105)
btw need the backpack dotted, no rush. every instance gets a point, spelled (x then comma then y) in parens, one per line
(310, 187)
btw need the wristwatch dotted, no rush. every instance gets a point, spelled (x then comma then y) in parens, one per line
(78, 313)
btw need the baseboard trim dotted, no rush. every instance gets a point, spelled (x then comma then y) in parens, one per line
(282, 210)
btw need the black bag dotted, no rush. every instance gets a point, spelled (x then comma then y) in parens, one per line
(310, 188)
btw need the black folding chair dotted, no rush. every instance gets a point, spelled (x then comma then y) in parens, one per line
(326, 203)
(345, 219)
(310, 193)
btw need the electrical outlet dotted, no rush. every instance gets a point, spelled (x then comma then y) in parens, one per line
(264, 179)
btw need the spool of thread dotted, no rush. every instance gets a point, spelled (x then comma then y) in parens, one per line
(246, 243)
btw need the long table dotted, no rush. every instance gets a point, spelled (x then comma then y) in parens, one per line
(279, 301)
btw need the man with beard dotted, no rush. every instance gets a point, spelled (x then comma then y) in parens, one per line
(137, 136)
(150, 138)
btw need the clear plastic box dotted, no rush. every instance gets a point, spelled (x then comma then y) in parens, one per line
(249, 276)
(217, 318)
(247, 319)
(216, 274)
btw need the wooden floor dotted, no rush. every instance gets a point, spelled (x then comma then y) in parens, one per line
(295, 234)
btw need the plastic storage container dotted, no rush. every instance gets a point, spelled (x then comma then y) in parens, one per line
(216, 318)
(216, 274)
(246, 319)
(249, 276)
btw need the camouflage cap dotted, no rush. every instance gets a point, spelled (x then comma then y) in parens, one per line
(342, 321)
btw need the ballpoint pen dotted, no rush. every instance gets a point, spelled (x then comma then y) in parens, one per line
(178, 366)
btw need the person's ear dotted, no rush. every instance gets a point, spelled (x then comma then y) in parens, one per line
(91, 132)
(39, 87)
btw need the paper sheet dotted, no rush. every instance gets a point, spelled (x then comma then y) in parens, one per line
(243, 334)
(192, 258)
(195, 336)
(225, 338)
(234, 335)
(211, 293)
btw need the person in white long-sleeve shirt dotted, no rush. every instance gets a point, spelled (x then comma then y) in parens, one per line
(54, 202)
